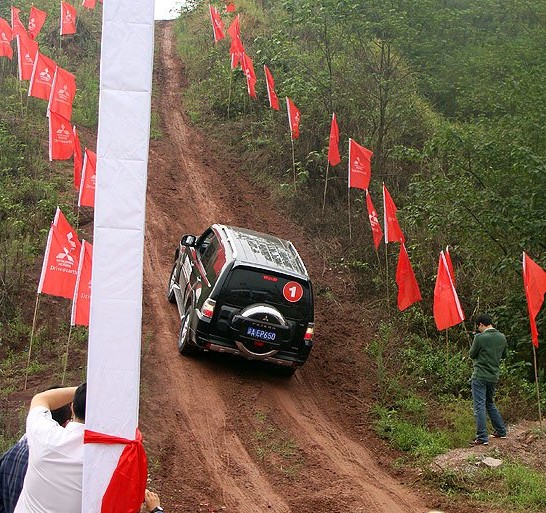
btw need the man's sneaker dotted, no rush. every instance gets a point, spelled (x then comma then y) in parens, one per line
(498, 435)
(477, 441)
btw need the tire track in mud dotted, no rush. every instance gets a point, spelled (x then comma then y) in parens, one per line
(199, 414)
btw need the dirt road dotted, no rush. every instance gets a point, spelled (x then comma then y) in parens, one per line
(224, 433)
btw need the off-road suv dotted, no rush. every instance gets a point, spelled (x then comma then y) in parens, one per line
(245, 293)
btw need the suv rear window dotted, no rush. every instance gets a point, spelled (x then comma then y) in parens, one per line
(248, 286)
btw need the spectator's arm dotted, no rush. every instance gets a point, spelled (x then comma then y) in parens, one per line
(475, 349)
(54, 398)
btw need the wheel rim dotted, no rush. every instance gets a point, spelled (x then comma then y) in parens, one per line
(172, 281)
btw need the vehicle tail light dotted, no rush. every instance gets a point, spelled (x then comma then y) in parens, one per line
(309, 332)
(208, 308)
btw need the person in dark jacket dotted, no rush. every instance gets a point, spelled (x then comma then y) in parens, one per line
(488, 348)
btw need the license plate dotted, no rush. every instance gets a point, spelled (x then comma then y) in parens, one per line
(260, 334)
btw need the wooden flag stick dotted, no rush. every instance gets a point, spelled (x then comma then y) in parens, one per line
(65, 364)
(293, 161)
(325, 186)
(538, 389)
(387, 274)
(229, 94)
(31, 338)
(349, 210)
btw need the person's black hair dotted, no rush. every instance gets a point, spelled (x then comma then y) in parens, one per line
(63, 414)
(78, 404)
(484, 319)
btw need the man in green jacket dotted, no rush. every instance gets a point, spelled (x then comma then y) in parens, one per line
(487, 350)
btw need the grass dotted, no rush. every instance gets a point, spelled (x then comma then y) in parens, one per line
(272, 447)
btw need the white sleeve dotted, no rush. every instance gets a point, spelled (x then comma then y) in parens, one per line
(41, 428)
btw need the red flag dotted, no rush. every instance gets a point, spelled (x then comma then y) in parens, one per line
(63, 91)
(72, 241)
(393, 232)
(87, 187)
(236, 49)
(333, 146)
(447, 308)
(217, 24)
(26, 49)
(450, 266)
(6, 35)
(36, 21)
(125, 491)
(78, 159)
(534, 282)
(89, 4)
(408, 289)
(248, 69)
(82, 290)
(17, 27)
(374, 221)
(42, 77)
(230, 7)
(293, 118)
(360, 170)
(68, 19)
(60, 267)
(61, 137)
(273, 100)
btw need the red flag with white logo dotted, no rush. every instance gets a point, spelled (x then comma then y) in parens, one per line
(273, 99)
(61, 137)
(447, 308)
(89, 4)
(82, 290)
(17, 27)
(450, 266)
(236, 49)
(42, 77)
(293, 118)
(217, 24)
(6, 35)
(393, 232)
(87, 187)
(534, 282)
(60, 267)
(377, 232)
(230, 7)
(408, 288)
(68, 19)
(333, 145)
(78, 159)
(360, 170)
(36, 21)
(26, 53)
(63, 91)
(248, 69)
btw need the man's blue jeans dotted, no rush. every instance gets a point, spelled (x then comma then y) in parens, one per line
(483, 396)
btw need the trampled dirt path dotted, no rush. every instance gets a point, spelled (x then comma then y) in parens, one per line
(223, 434)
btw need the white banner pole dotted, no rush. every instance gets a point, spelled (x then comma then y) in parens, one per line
(113, 368)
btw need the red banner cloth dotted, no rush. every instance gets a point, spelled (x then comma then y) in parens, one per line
(61, 137)
(408, 288)
(333, 145)
(27, 49)
(271, 94)
(294, 118)
(87, 187)
(17, 26)
(447, 308)
(393, 232)
(534, 281)
(217, 24)
(41, 79)
(63, 92)
(89, 4)
(125, 493)
(36, 21)
(78, 159)
(450, 266)
(6, 35)
(68, 19)
(81, 301)
(236, 49)
(377, 232)
(360, 169)
(248, 69)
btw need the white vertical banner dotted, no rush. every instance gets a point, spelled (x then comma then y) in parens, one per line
(113, 368)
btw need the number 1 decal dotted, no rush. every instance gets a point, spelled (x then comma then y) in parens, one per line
(292, 291)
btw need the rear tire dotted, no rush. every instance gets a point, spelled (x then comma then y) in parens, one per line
(286, 372)
(172, 282)
(184, 345)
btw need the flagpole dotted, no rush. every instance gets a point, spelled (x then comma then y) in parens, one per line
(349, 210)
(31, 338)
(293, 161)
(66, 353)
(447, 351)
(229, 95)
(538, 389)
(325, 185)
(387, 273)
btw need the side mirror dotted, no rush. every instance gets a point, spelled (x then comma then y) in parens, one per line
(188, 240)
